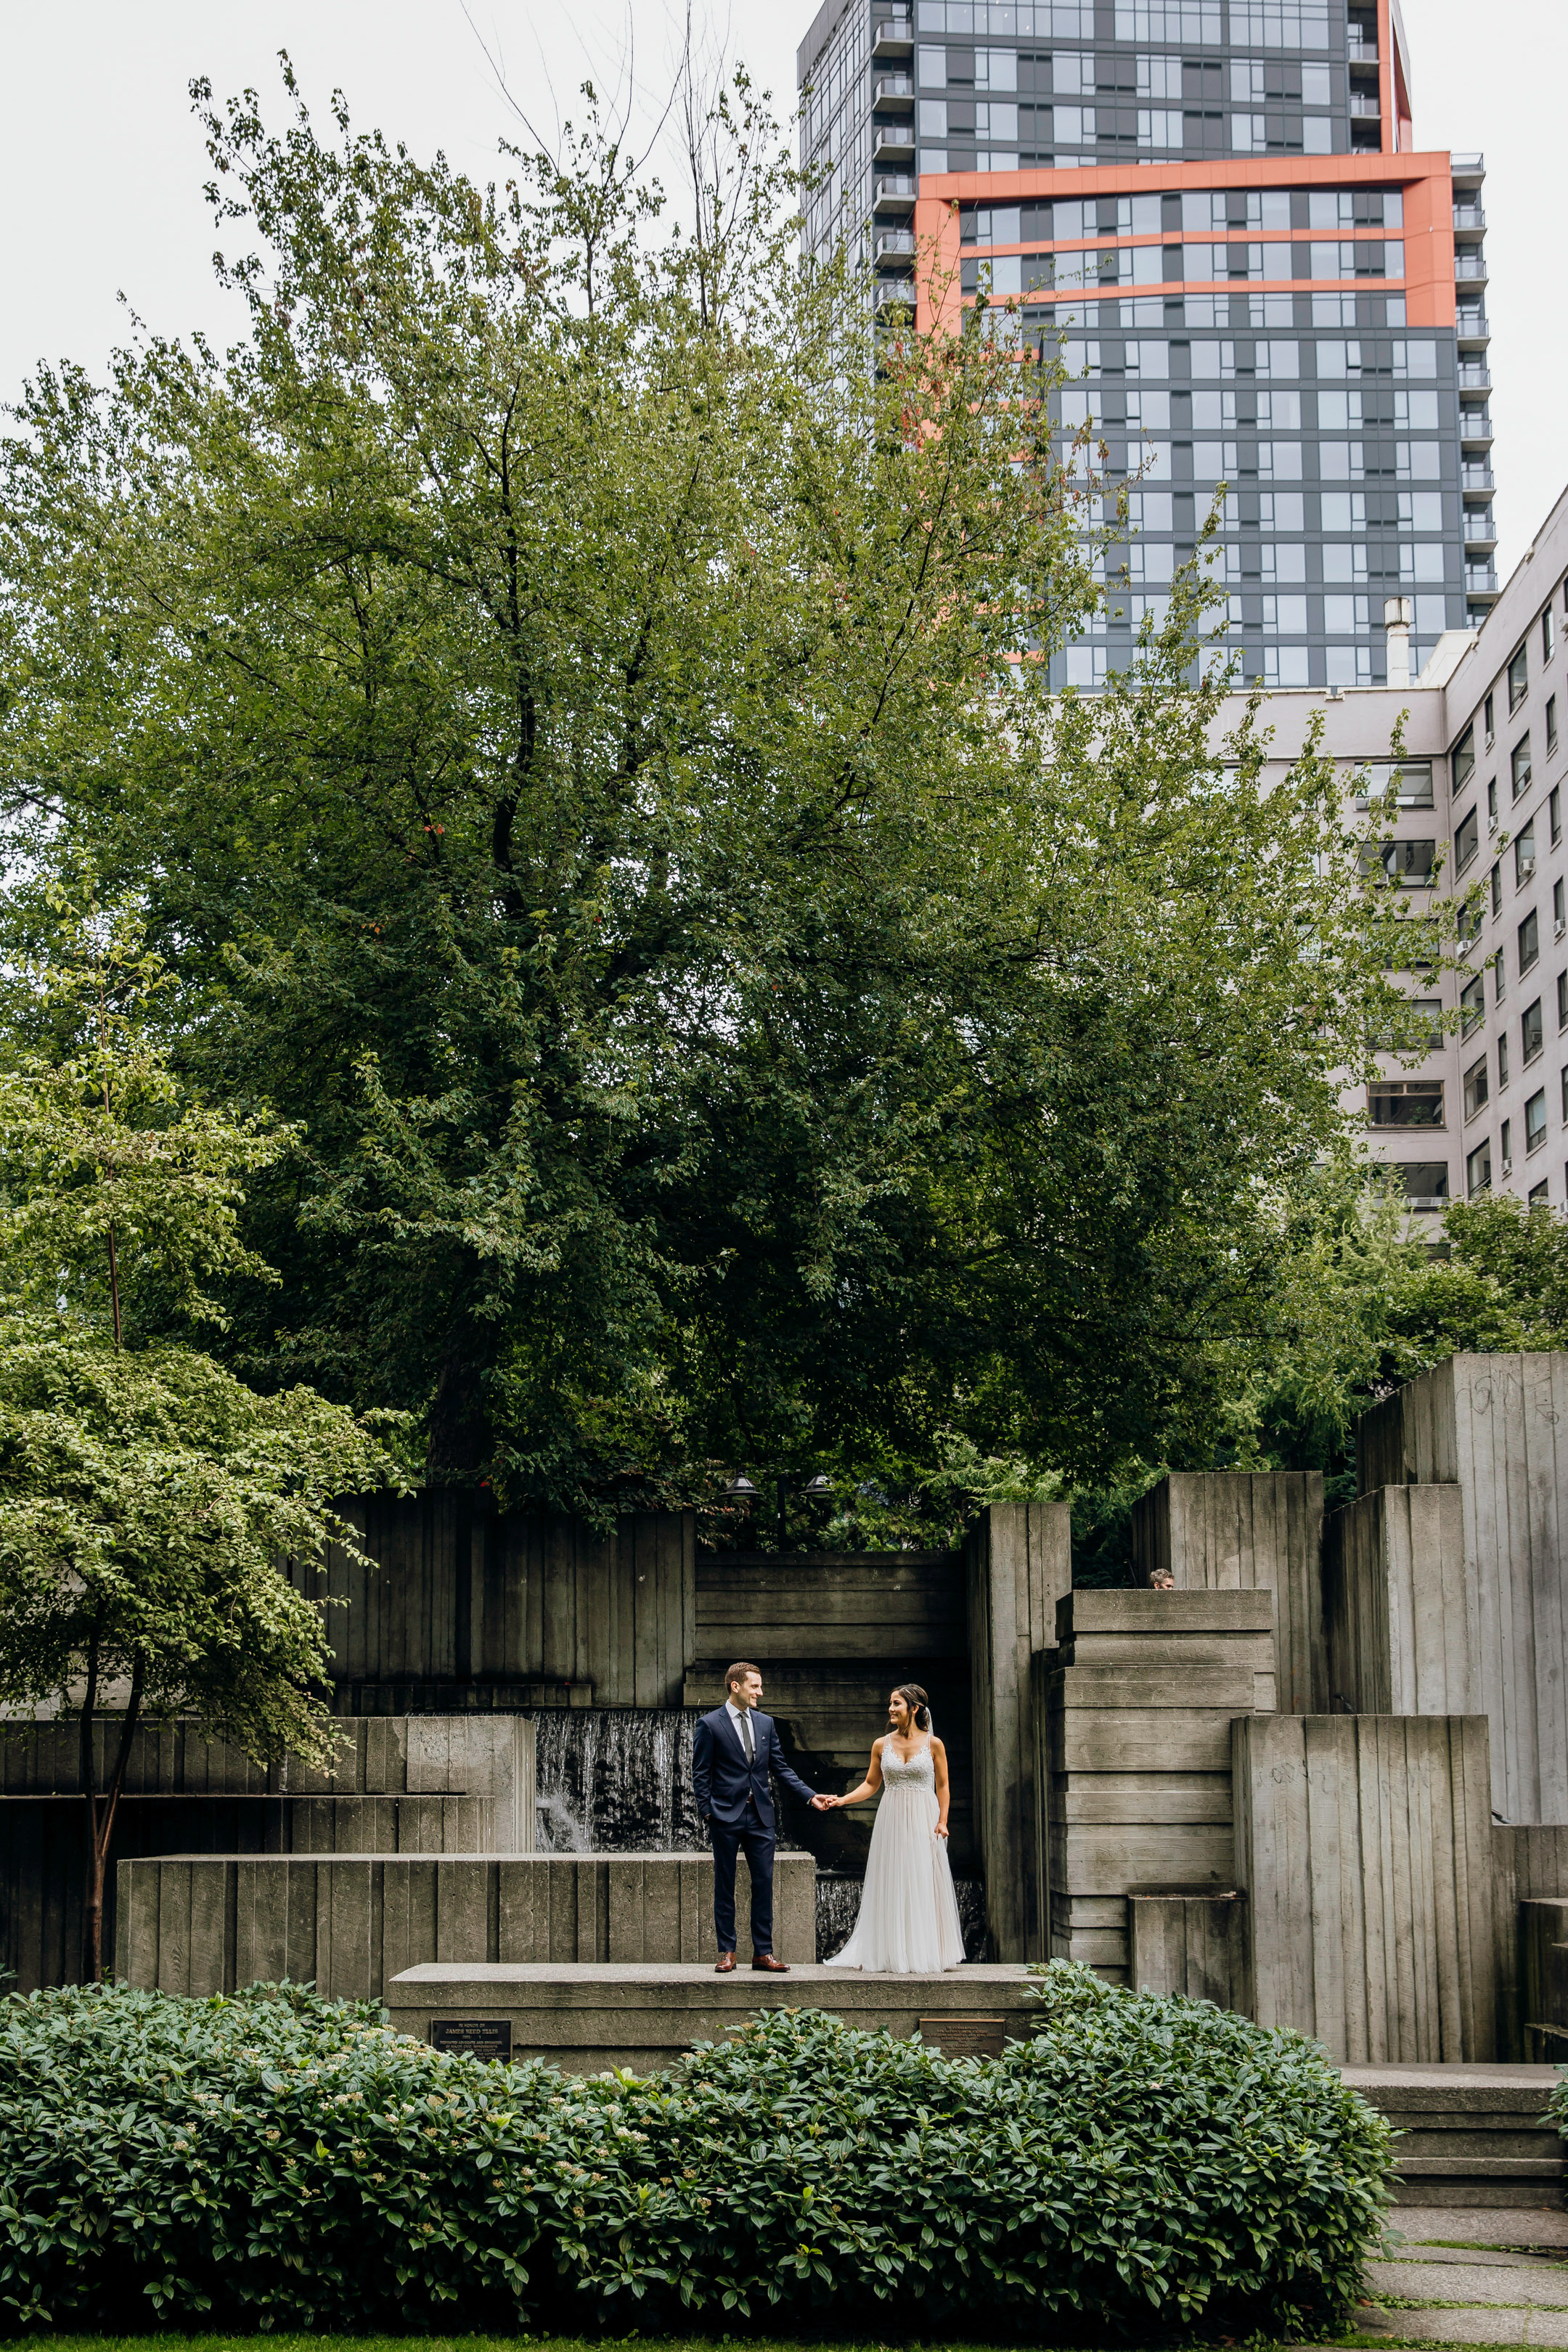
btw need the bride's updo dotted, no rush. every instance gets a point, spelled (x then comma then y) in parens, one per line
(915, 1699)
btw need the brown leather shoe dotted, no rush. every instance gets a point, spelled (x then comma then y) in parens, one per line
(774, 1968)
(726, 1963)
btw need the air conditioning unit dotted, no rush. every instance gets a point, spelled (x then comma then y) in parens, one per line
(1491, 825)
(1508, 1168)
(1526, 869)
(1560, 926)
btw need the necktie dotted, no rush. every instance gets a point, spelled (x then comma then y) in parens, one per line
(747, 1741)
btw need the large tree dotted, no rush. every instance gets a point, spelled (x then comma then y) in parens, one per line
(151, 1501)
(573, 700)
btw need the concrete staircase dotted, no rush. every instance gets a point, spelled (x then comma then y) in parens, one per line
(1473, 2135)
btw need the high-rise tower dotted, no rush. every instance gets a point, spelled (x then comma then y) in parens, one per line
(1258, 278)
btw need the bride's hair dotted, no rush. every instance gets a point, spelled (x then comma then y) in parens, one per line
(918, 1704)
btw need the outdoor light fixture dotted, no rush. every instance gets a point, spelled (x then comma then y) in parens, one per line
(819, 1488)
(741, 1489)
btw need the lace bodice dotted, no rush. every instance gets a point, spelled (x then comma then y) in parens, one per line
(908, 1772)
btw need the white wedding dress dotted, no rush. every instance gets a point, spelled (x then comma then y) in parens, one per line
(909, 1923)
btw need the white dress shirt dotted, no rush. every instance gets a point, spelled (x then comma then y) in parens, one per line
(737, 1716)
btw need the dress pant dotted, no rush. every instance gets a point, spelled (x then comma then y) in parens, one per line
(749, 1837)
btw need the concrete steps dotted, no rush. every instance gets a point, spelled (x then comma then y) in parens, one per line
(1475, 2134)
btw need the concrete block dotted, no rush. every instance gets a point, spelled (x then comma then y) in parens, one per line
(1364, 1843)
(1241, 1530)
(1493, 1427)
(645, 2015)
(204, 1924)
(1189, 1944)
(1400, 1606)
(1017, 1560)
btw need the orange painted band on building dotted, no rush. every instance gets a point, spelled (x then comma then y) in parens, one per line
(1425, 181)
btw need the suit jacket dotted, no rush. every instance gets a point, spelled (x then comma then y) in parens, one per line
(722, 1778)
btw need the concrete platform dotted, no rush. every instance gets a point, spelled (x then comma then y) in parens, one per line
(646, 2016)
(1473, 2135)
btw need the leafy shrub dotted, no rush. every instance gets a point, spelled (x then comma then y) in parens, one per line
(274, 2160)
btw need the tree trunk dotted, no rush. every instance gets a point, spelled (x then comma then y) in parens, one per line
(102, 1809)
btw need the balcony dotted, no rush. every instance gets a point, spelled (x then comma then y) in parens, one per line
(892, 36)
(1364, 106)
(894, 193)
(896, 245)
(1481, 529)
(895, 294)
(1471, 266)
(1477, 477)
(1361, 50)
(1467, 167)
(893, 90)
(1472, 326)
(1480, 579)
(895, 143)
(1475, 426)
(1472, 216)
(1474, 376)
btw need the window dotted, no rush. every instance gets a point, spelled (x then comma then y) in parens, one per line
(1539, 1195)
(1517, 678)
(1499, 979)
(1531, 1030)
(1478, 1170)
(1407, 783)
(1548, 633)
(1520, 762)
(1562, 1000)
(1488, 726)
(1505, 1144)
(1535, 1121)
(1502, 1064)
(1491, 806)
(1407, 1102)
(1550, 724)
(1524, 853)
(1464, 760)
(1472, 1006)
(1408, 862)
(1497, 887)
(1466, 840)
(1554, 812)
(1529, 941)
(1425, 1183)
(1478, 1087)
(1565, 1098)
(1559, 911)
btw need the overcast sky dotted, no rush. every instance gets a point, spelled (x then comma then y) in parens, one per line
(102, 166)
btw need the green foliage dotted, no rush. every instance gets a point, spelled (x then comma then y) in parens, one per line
(1141, 2165)
(568, 699)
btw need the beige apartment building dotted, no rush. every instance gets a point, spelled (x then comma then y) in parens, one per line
(1480, 799)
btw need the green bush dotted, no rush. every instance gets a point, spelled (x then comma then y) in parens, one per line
(1141, 2166)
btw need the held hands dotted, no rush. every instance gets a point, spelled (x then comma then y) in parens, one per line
(824, 1804)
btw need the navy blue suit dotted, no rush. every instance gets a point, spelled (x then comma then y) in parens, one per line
(736, 1800)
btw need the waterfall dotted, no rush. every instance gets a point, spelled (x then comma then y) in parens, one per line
(616, 1780)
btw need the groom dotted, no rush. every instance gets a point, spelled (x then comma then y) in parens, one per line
(733, 1749)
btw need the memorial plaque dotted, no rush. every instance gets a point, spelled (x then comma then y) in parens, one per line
(474, 2037)
(965, 2037)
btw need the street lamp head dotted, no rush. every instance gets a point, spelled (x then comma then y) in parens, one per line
(820, 1487)
(740, 1489)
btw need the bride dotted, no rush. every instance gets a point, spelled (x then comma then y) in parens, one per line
(909, 1922)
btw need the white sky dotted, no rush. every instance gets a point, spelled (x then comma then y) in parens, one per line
(101, 165)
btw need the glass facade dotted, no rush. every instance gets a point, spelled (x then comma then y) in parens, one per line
(1249, 296)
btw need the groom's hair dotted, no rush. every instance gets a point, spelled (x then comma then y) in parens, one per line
(737, 1674)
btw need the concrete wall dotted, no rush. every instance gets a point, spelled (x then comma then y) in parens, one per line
(1497, 1427)
(1364, 1843)
(460, 1594)
(1226, 1531)
(1018, 1562)
(351, 1923)
(1400, 1607)
(1134, 1711)
(394, 1787)
(1193, 1945)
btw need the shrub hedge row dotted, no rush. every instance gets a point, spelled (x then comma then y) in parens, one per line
(1143, 2165)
